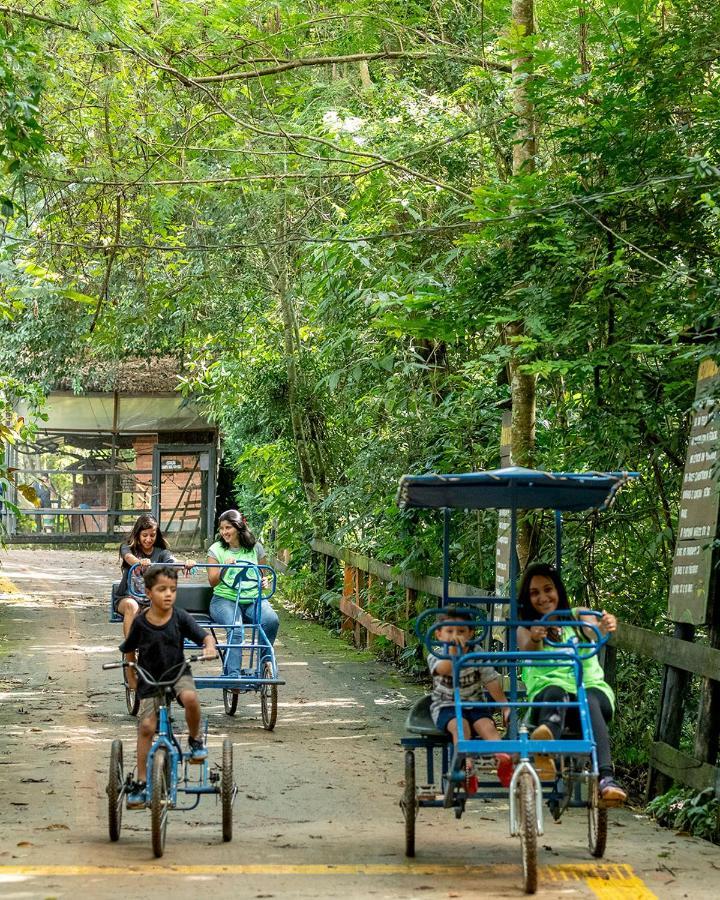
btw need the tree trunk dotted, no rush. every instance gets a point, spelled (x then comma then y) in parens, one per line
(522, 386)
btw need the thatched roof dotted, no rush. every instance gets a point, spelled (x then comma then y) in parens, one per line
(157, 375)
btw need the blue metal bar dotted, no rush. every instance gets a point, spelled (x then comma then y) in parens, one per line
(511, 632)
(446, 556)
(558, 540)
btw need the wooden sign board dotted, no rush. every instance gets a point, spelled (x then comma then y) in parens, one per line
(502, 547)
(693, 570)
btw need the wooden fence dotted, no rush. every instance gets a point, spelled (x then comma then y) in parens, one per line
(667, 762)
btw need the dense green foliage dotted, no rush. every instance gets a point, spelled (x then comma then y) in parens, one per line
(686, 810)
(334, 250)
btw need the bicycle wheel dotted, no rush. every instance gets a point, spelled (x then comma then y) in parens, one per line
(527, 819)
(268, 698)
(114, 790)
(597, 822)
(230, 702)
(226, 789)
(132, 701)
(409, 803)
(159, 806)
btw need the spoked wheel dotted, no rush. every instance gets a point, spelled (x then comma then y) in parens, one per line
(114, 790)
(230, 701)
(597, 822)
(226, 789)
(527, 821)
(159, 806)
(409, 803)
(268, 698)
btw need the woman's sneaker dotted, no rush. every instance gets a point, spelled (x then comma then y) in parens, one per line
(136, 795)
(611, 793)
(198, 750)
(544, 765)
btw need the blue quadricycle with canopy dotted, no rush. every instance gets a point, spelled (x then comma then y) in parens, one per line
(258, 665)
(445, 783)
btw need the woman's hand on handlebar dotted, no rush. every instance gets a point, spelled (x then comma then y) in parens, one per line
(538, 633)
(608, 623)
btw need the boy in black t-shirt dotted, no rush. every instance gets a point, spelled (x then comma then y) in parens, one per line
(158, 634)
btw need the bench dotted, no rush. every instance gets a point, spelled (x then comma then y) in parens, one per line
(193, 598)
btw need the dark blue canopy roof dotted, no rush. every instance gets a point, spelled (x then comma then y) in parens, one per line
(512, 488)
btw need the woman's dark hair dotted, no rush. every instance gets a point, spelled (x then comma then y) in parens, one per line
(526, 610)
(144, 522)
(237, 520)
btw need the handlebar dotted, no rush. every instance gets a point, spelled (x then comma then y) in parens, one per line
(125, 664)
(242, 566)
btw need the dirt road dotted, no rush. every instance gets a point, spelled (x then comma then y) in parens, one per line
(317, 813)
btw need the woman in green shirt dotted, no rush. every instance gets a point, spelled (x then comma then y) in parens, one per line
(542, 592)
(237, 543)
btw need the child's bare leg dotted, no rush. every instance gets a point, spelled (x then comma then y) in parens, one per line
(128, 609)
(189, 700)
(485, 729)
(146, 732)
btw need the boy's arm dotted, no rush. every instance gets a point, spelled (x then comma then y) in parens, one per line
(132, 641)
(495, 689)
(441, 666)
(209, 646)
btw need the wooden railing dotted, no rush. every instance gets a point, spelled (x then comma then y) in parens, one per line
(360, 572)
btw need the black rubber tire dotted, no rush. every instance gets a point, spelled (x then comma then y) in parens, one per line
(527, 820)
(226, 789)
(114, 790)
(159, 805)
(268, 698)
(409, 803)
(132, 701)
(597, 823)
(230, 702)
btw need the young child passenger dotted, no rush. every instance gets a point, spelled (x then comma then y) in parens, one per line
(157, 634)
(474, 680)
(542, 592)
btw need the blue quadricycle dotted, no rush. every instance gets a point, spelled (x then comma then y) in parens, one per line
(247, 637)
(495, 621)
(170, 772)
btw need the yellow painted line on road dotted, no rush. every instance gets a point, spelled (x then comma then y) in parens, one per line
(620, 889)
(607, 881)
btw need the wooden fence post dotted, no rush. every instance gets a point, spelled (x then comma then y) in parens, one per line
(349, 580)
(672, 709)
(360, 583)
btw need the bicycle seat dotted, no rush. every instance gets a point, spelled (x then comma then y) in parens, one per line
(419, 721)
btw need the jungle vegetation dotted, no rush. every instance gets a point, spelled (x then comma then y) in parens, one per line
(367, 227)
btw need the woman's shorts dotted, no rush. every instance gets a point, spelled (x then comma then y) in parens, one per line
(447, 714)
(150, 705)
(141, 603)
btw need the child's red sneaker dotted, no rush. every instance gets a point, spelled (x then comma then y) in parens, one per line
(504, 768)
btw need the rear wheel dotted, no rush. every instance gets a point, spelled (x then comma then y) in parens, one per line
(268, 698)
(230, 701)
(159, 805)
(409, 803)
(527, 820)
(597, 822)
(226, 789)
(114, 790)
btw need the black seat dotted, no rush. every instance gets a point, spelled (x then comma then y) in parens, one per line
(419, 721)
(194, 598)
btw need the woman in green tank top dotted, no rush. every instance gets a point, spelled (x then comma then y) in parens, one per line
(236, 543)
(542, 592)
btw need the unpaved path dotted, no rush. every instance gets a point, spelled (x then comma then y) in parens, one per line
(317, 812)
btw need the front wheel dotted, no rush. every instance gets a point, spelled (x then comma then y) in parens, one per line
(132, 701)
(268, 698)
(597, 822)
(409, 803)
(527, 815)
(115, 790)
(226, 789)
(230, 701)
(159, 805)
